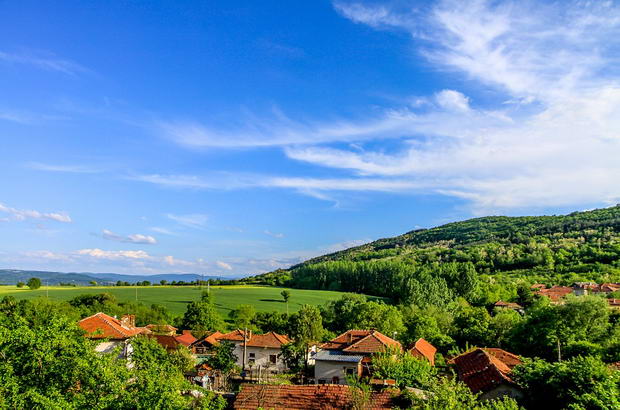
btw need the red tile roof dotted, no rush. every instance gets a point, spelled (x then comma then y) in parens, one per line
(186, 339)
(311, 397)
(102, 326)
(484, 369)
(555, 293)
(270, 339)
(168, 341)
(424, 349)
(361, 341)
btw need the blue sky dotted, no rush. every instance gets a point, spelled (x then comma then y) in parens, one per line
(232, 138)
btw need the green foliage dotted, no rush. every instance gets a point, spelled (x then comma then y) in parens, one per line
(202, 315)
(34, 283)
(223, 358)
(579, 383)
(306, 327)
(286, 295)
(355, 312)
(242, 316)
(47, 363)
(294, 356)
(20, 284)
(448, 394)
(271, 322)
(406, 369)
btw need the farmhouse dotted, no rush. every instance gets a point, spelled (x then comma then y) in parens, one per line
(259, 353)
(117, 332)
(487, 371)
(350, 355)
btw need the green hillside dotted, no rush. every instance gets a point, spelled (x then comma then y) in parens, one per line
(459, 258)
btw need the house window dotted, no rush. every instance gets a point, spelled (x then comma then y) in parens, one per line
(200, 350)
(252, 355)
(336, 380)
(350, 371)
(273, 358)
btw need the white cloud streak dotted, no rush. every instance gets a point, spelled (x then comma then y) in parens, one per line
(43, 61)
(196, 221)
(76, 169)
(23, 214)
(135, 238)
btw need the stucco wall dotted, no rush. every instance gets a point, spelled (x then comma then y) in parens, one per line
(261, 358)
(326, 370)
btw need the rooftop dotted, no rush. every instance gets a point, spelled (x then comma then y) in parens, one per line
(484, 369)
(324, 397)
(361, 341)
(102, 326)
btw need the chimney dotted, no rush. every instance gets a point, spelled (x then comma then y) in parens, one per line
(350, 337)
(128, 321)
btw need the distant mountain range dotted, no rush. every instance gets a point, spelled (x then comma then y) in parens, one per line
(12, 276)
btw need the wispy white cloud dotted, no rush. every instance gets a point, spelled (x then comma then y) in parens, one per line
(273, 234)
(23, 214)
(113, 255)
(196, 221)
(135, 238)
(45, 61)
(162, 230)
(223, 265)
(77, 169)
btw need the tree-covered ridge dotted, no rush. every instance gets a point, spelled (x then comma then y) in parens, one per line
(480, 259)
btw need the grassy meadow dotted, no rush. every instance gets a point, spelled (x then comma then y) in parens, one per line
(175, 298)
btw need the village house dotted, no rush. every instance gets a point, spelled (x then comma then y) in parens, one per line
(350, 355)
(555, 293)
(261, 354)
(309, 397)
(487, 371)
(116, 332)
(423, 349)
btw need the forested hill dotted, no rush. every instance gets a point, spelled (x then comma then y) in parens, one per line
(550, 249)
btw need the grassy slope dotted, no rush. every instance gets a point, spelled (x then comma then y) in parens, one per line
(175, 298)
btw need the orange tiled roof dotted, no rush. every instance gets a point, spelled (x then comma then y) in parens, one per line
(102, 326)
(425, 349)
(310, 397)
(556, 293)
(484, 369)
(361, 341)
(186, 338)
(270, 339)
(168, 341)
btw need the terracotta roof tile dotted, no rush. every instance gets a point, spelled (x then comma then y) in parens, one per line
(361, 341)
(510, 305)
(320, 397)
(186, 338)
(161, 328)
(102, 326)
(484, 369)
(270, 339)
(423, 348)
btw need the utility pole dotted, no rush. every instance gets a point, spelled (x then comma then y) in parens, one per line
(559, 351)
(245, 348)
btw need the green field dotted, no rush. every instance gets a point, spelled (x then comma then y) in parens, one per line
(175, 298)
